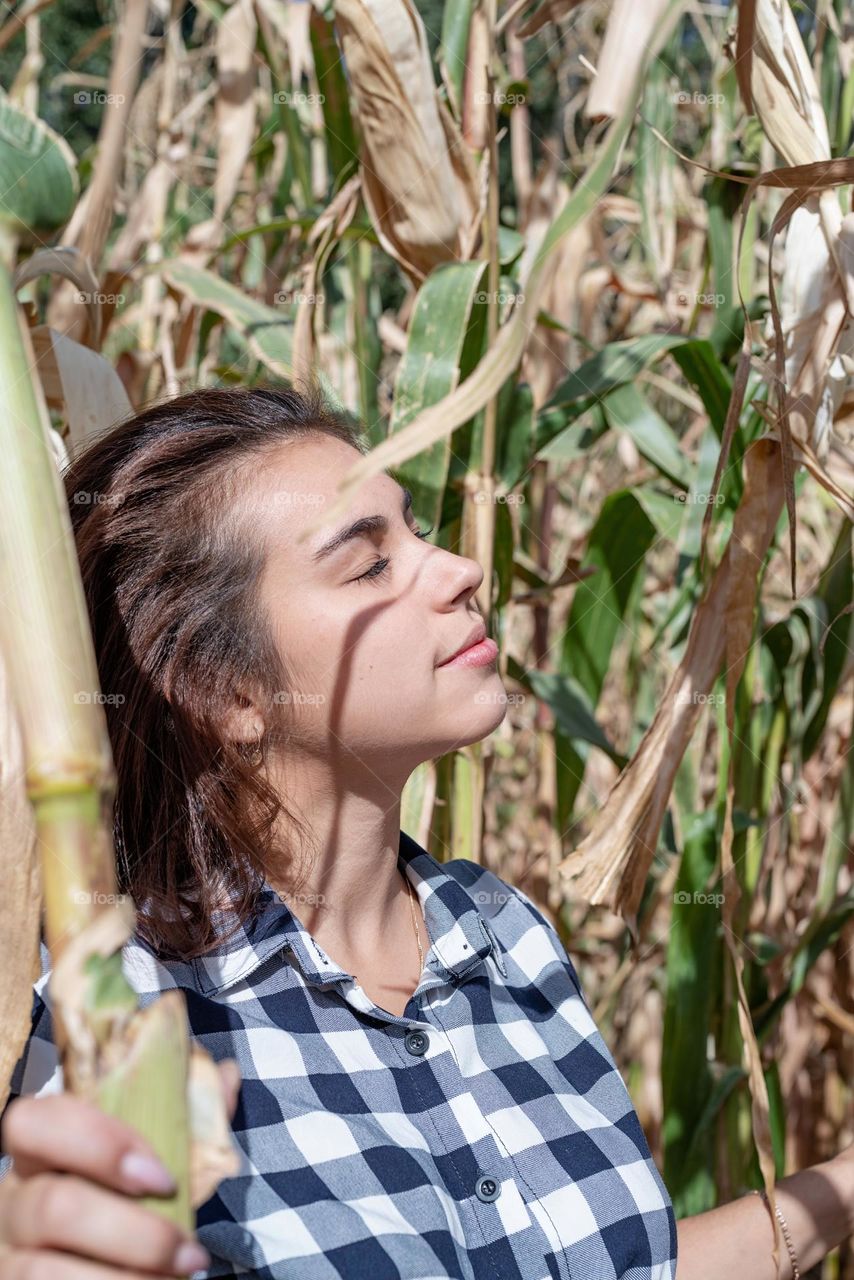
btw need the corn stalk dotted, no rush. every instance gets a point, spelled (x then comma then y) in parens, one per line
(134, 1064)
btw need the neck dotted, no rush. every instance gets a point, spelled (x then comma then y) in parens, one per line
(351, 893)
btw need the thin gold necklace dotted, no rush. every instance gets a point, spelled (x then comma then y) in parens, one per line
(415, 927)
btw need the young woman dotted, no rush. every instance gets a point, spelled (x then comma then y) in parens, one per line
(424, 1092)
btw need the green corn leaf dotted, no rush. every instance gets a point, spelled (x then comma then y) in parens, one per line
(38, 174)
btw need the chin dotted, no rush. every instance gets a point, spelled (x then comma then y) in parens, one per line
(475, 716)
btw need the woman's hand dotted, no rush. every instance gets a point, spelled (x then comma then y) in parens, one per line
(66, 1206)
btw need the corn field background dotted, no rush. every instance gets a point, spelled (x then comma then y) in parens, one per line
(585, 271)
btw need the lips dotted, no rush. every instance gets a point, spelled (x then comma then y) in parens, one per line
(475, 637)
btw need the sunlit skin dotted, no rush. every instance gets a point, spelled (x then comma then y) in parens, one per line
(362, 655)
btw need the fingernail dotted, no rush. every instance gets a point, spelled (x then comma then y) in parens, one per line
(146, 1172)
(191, 1256)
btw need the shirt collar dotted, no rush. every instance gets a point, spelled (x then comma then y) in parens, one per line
(459, 934)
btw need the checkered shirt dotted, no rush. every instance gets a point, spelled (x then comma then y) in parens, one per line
(486, 1134)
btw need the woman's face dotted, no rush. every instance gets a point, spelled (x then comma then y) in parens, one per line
(363, 653)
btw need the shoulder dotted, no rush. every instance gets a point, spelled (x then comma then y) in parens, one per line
(517, 922)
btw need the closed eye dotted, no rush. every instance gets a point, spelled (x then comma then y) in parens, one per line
(379, 567)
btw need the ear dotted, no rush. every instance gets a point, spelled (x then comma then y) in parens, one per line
(244, 721)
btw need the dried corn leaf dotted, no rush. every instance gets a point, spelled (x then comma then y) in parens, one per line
(91, 221)
(814, 317)
(213, 1152)
(477, 104)
(144, 220)
(324, 235)
(745, 35)
(805, 181)
(419, 188)
(81, 383)
(439, 420)
(812, 327)
(835, 473)
(105, 934)
(235, 103)
(292, 23)
(785, 95)
(753, 527)
(630, 28)
(610, 865)
(548, 11)
(69, 262)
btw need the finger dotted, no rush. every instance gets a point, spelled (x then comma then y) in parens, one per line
(231, 1079)
(72, 1135)
(68, 1213)
(41, 1264)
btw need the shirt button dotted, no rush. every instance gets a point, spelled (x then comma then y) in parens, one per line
(486, 1188)
(416, 1043)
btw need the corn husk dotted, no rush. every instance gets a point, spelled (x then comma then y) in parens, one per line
(418, 181)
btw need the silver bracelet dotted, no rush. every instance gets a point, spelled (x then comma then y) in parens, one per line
(793, 1257)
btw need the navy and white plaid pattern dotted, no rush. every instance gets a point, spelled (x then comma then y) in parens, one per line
(484, 1135)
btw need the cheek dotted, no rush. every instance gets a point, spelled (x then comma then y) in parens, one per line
(307, 651)
(362, 662)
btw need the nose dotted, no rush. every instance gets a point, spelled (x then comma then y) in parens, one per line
(461, 578)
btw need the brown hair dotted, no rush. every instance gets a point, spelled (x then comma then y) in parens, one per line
(170, 575)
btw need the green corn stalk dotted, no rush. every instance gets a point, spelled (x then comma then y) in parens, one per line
(133, 1063)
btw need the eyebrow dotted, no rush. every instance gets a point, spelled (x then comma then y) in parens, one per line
(358, 529)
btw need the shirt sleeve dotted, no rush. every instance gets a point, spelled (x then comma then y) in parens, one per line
(541, 919)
